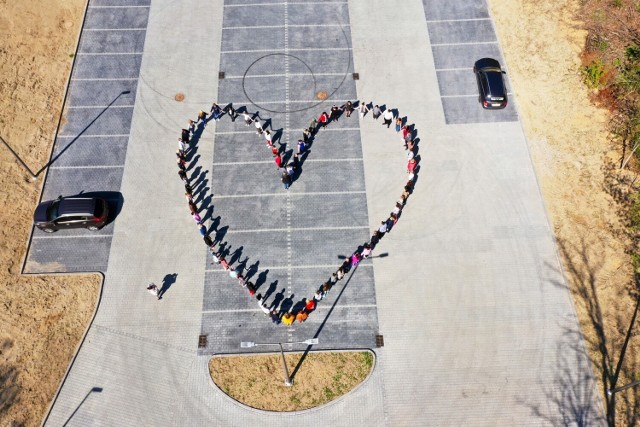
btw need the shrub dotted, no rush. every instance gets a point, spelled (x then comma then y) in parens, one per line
(593, 74)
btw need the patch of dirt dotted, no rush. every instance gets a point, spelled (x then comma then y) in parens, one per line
(572, 153)
(258, 381)
(42, 319)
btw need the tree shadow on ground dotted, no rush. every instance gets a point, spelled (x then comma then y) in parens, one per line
(604, 335)
(9, 387)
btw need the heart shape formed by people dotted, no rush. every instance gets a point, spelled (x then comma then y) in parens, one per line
(290, 167)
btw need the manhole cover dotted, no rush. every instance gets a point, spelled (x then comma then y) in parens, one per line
(179, 97)
(322, 95)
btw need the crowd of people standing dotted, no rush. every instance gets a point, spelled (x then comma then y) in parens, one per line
(289, 171)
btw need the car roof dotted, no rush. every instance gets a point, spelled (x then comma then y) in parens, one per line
(487, 63)
(76, 206)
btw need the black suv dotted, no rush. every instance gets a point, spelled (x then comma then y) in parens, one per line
(493, 91)
(71, 212)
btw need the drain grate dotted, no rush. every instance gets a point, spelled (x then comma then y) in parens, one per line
(202, 341)
(379, 341)
(356, 76)
(220, 75)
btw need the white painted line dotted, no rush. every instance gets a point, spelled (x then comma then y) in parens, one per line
(475, 95)
(103, 79)
(81, 107)
(258, 76)
(319, 193)
(114, 29)
(286, 267)
(318, 307)
(258, 162)
(276, 50)
(88, 167)
(108, 53)
(119, 7)
(287, 131)
(459, 96)
(463, 44)
(282, 230)
(254, 27)
(455, 69)
(283, 4)
(115, 135)
(457, 20)
(81, 236)
(314, 101)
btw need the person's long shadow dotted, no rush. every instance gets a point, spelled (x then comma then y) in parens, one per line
(252, 270)
(272, 288)
(235, 256)
(200, 194)
(286, 304)
(193, 162)
(167, 281)
(220, 233)
(262, 278)
(324, 322)
(277, 299)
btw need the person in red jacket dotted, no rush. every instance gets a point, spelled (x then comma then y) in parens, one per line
(411, 165)
(278, 160)
(323, 119)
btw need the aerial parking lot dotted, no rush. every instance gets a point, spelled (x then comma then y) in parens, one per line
(463, 300)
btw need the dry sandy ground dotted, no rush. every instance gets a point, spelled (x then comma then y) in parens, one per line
(41, 318)
(258, 381)
(572, 155)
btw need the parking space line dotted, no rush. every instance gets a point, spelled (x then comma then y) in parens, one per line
(115, 135)
(464, 96)
(120, 7)
(88, 167)
(459, 96)
(290, 50)
(257, 27)
(318, 307)
(455, 69)
(287, 130)
(107, 53)
(268, 162)
(282, 230)
(286, 267)
(313, 101)
(82, 236)
(102, 79)
(258, 76)
(114, 29)
(318, 193)
(457, 20)
(81, 107)
(463, 44)
(282, 4)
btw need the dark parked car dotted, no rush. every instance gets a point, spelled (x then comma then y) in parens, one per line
(71, 212)
(493, 91)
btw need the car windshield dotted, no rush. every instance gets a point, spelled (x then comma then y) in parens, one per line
(52, 211)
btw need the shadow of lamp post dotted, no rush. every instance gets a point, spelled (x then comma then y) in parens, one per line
(287, 379)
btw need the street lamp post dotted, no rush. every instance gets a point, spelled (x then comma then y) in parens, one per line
(288, 381)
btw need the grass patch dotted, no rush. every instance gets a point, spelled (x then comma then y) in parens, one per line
(258, 381)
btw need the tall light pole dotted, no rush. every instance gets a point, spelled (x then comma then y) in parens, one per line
(288, 381)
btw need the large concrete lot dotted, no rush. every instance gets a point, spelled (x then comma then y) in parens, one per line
(478, 324)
